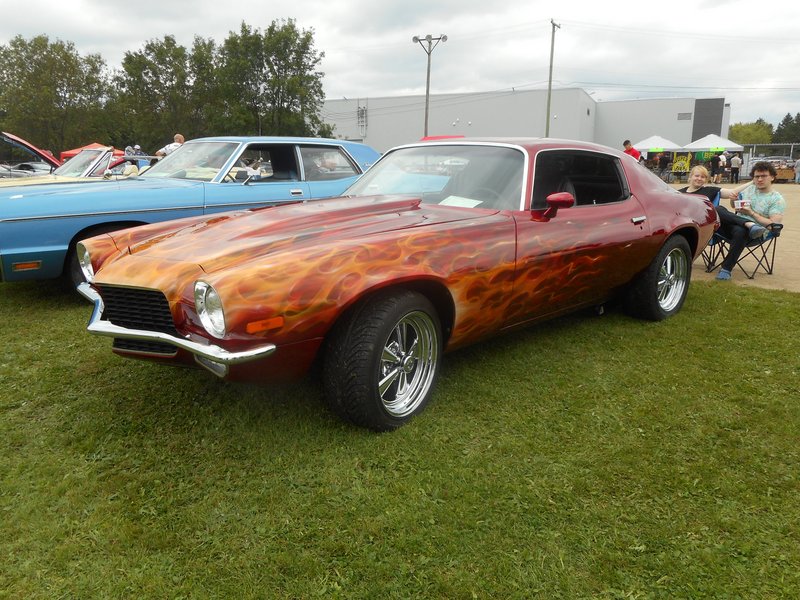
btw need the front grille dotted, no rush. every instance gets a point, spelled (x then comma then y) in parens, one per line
(138, 309)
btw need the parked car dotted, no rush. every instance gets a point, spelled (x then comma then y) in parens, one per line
(40, 225)
(90, 164)
(779, 162)
(36, 161)
(418, 258)
(34, 167)
(8, 172)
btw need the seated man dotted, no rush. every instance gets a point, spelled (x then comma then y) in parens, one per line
(760, 206)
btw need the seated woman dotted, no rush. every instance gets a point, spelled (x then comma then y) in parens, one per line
(762, 207)
(698, 184)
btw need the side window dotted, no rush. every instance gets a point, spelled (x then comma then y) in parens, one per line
(101, 167)
(592, 178)
(322, 163)
(263, 163)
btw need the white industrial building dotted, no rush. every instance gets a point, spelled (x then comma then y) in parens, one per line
(390, 121)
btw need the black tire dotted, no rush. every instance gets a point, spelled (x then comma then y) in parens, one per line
(659, 291)
(73, 273)
(382, 359)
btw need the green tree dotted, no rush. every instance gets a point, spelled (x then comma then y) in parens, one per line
(50, 94)
(207, 102)
(154, 92)
(273, 85)
(759, 132)
(788, 129)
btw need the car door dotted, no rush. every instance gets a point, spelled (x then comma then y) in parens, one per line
(328, 169)
(585, 252)
(260, 174)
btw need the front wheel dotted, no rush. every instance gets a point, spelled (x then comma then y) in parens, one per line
(382, 359)
(660, 290)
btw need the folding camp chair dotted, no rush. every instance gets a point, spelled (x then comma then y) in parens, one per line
(759, 254)
(712, 250)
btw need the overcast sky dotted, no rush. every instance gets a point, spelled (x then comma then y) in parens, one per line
(744, 51)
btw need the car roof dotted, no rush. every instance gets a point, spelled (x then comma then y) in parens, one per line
(531, 144)
(272, 139)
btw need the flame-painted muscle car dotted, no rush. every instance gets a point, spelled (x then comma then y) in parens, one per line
(438, 245)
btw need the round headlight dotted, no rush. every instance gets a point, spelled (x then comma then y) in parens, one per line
(209, 309)
(85, 261)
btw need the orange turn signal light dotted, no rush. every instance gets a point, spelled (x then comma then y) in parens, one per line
(265, 325)
(33, 265)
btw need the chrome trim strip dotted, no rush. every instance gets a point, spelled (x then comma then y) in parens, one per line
(213, 353)
(151, 210)
(99, 214)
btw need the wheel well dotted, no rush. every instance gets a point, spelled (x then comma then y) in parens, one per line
(434, 291)
(691, 237)
(441, 299)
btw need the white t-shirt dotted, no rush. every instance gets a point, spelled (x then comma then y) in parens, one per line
(170, 148)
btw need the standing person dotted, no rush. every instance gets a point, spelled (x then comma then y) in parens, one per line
(715, 160)
(761, 207)
(663, 166)
(631, 150)
(723, 163)
(797, 170)
(736, 164)
(169, 148)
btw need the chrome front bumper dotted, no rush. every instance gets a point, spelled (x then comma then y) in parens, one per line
(214, 358)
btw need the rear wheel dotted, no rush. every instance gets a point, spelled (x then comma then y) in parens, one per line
(382, 360)
(659, 292)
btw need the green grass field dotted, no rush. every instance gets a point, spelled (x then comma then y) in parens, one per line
(590, 457)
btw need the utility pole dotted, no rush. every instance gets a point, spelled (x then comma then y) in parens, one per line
(429, 39)
(550, 79)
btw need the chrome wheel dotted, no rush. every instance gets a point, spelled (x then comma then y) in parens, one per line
(408, 364)
(382, 359)
(673, 277)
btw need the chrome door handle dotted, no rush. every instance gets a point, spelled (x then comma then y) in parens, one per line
(296, 192)
(638, 220)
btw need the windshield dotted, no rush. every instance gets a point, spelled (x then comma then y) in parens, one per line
(76, 165)
(472, 176)
(200, 161)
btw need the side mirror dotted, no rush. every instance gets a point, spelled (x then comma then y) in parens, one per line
(554, 202)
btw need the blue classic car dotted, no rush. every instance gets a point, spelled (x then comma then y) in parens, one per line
(40, 225)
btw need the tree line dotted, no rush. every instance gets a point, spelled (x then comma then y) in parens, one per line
(255, 82)
(761, 132)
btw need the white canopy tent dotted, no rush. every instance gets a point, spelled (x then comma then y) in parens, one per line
(713, 143)
(656, 143)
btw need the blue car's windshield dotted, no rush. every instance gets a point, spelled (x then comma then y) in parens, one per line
(200, 161)
(77, 165)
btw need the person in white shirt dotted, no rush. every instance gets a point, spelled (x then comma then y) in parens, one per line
(169, 148)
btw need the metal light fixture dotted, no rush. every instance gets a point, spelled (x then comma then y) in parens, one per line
(428, 45)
